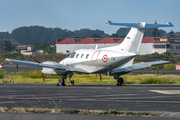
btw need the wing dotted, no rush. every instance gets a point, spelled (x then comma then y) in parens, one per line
(49, 64)
(137, 66)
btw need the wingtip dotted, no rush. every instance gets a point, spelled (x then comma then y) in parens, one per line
(108, 22)
(170, 24)
(7, 59)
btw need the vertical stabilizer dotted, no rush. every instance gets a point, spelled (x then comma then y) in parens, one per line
(134, 38)
(132, 41)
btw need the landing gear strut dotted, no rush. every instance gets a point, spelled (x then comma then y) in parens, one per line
(61, 82)
(70, 82)
(120, 81)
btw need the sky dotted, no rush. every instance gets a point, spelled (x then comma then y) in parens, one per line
(92, 14)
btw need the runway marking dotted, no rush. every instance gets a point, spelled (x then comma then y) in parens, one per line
(7, 102)
(115, 95)
(166, 91)
(143, 105)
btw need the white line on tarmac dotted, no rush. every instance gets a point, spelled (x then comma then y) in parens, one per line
(166, 91)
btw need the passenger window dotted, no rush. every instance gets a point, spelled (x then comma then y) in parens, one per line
(77, 55)
(72, 55)
(87, 56)
(82, 55)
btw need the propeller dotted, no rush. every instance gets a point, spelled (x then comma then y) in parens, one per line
(37, 61)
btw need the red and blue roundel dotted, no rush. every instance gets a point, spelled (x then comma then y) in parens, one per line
(105, 58)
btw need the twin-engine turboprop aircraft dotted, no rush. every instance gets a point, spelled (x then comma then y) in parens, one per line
(115, 61)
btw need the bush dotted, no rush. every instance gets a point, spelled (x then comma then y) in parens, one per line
(35, 74)
(2, 73)
(155, 54)
(31, 74)
(169, 66)
(166, 53)
(23, 73)
(156, 80)
(1, 76)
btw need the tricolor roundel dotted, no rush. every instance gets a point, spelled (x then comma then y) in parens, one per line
(105, 58)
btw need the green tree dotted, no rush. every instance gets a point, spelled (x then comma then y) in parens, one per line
(171, 34)
(155, 32)
(36, 44)
(114, 35)
(43, 46)
(122, 32)
(7, 46)
(95, 35)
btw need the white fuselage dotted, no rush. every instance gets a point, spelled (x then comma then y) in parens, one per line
(96, 60)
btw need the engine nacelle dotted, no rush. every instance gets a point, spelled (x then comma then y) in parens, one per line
(50, 71)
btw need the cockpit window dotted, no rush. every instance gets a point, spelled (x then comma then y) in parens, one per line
(72, 55)
(82, 55)
(87, 56)
(77, 55)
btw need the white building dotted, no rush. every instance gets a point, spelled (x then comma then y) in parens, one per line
(149, 45)
(31, 50)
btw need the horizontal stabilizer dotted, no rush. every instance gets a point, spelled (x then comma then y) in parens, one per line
(140, 24)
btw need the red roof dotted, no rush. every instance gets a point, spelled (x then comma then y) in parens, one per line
(68, 41)
(58, 40)
(106, 40)
(174, 42)
(120, 41)
(109, 40)
(148, 40)
(89, 40)
(161, 42)
(166, 42)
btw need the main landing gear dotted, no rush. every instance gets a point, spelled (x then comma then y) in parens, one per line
(120, 81)
(61, 81)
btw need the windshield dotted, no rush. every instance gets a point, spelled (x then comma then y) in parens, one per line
(72, 55)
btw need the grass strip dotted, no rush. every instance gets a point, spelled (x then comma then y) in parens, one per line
(36, 77)
(56, 110)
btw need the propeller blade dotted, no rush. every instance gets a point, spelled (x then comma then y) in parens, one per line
(37, 61)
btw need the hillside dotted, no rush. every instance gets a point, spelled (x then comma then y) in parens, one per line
(30, 35)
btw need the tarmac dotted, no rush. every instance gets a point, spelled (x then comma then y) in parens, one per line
(95, 97)
(157, 98)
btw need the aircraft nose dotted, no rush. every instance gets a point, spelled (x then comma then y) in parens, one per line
(63, 62)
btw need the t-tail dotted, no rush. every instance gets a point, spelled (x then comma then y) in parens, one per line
(133, 39)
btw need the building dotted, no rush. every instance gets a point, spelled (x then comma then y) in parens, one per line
(31, 50)
(149, 45)
(165, 44)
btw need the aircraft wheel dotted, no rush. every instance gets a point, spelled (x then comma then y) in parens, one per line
(120, 81)
(61, 81)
